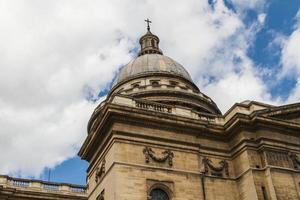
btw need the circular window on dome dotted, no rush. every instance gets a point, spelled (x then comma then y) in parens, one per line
(159, 194)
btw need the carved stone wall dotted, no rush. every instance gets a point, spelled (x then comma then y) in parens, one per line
(276, 158)
(284, 185)
(165, 157)
(295, 160)
(167, 186)
(100, 171)
(250, 164)
(101, 196)
(221, 169)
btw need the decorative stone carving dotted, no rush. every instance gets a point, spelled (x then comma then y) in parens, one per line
(100, 171)
(153, 106)
(216, 171)
(167, 155)
(295, 160)
(277, 158)
(101, 196)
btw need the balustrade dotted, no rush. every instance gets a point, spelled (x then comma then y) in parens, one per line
(153, 106)
(35, 184)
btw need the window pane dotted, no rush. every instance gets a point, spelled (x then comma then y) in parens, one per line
(158, 194)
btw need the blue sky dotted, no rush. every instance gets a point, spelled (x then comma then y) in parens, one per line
(59, 59)
(280, 19)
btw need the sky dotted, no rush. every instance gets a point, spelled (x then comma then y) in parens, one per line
(59, 58)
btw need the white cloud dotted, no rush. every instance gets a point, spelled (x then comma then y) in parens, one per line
(238, 87)
(291, 60)
(55, 54)
(291, 55)
(50, 53)
(295, 94)
(262, 18)
(35, 138)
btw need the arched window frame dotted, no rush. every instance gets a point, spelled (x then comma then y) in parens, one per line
(160, 186)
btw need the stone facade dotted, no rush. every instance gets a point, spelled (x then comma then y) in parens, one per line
(156, 131)
(158, 137)
(244, 154)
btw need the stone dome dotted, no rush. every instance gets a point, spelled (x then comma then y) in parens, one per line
(149, 64)
(158, 78)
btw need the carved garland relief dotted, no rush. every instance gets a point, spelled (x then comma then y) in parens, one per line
(215, 170)
(100, 171)
(295, 160)
(101, 195)
(166, 156)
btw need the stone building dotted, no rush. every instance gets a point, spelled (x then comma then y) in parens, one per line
(158, 137)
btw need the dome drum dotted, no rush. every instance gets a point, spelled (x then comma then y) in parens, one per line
(166, 88)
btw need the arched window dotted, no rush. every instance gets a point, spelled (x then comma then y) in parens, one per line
(154, 83)
(159, 194)
(152, 43)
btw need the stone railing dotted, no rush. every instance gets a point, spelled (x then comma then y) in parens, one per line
(174, 110)
(153, 106)
(51, 186)
(7, 181)
(20, 183)
(159, 107)
(77, 189)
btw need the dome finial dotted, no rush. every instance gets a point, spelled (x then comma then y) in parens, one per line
(148, 23)
(149, 42)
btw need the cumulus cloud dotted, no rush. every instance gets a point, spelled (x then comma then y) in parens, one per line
(45, 135)
(290, 54)
(291, 59)
(57, 55)
(54, 58)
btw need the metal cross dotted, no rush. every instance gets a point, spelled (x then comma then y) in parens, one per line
(148, 24)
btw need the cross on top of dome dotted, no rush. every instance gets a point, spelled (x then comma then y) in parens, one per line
(148, 24)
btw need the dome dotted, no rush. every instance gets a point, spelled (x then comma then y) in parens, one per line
(149, 64)
(155, 77)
